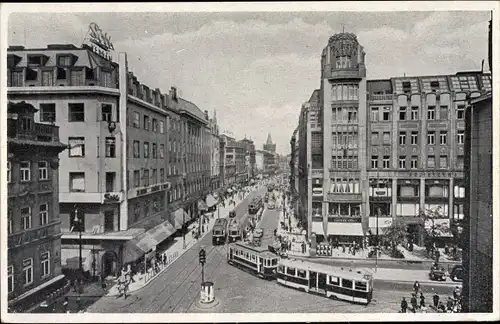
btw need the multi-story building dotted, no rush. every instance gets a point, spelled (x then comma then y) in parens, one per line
(33, 222)
(132, 151)
(250, 157)
(234, 161)
(388, 155)
(214, 154)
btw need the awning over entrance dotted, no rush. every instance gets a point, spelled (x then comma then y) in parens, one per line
(211, 201)
(202, 206)
(180, 217)
(346, 229)
(70, 259)
(147, 241)
(317, 228)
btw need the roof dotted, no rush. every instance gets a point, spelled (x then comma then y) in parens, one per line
(482, 98)
(20, 107)
(269, 139)
(314, 96)
(262, 249)
(191, 108)
(356, 274)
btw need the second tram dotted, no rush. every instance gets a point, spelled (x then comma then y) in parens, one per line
(219, 231)
(254, 259)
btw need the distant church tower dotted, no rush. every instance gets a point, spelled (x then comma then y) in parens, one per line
(269, 146)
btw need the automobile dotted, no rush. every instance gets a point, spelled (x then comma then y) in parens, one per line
(437, 273)
(270, 205)
(232, 214)
(457, 273)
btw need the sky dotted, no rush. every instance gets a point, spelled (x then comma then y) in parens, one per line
(256, 69)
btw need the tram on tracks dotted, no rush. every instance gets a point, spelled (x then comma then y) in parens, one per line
(255, 205)
(355, 286)
(219, 231)
(256, 260)
(234, 231)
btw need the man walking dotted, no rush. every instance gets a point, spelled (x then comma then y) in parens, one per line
(413, 302)
(416, 287)
(404, 305)
(435, 299)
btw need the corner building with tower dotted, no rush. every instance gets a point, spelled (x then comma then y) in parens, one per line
(371, 152)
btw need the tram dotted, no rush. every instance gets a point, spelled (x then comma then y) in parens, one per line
(234, 231)
(253, 259)
(340, 283)
(219, 231)
(255, 205)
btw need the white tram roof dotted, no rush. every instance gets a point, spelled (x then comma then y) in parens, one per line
(343, 272)
(262, 249)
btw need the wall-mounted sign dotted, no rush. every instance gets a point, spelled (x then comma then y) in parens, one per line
(436, 174)
(100, 42)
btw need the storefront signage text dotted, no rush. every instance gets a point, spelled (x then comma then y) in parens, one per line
(100, 42)
(436, 174)
(344, 219)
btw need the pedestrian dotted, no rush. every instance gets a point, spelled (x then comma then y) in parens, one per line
(456, 292)
(103, 282)
(438, 255)
(449, 305)
(435, 299)
(73, 284)
(422, 301)
(413, 303)
(404, 305)
(416, 287)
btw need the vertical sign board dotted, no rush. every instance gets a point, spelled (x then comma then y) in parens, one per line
(100, 42)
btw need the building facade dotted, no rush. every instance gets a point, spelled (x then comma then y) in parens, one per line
(235, 161)
(388, 155)
(250, 157)
(137, 158)
(33, 224)
(214, 154)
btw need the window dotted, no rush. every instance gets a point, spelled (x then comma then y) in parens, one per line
(443, 161)
(290, 271)
(78, 77)
(146, 122)
(414, 138)
(360, 285)
(402, 162)
(34, 60)
(136, 120)
(334, 281)
(10, 220)
(459, 191)
(110, 147)
(137, 149)
(431, 161)
(10, 278)
(414, 113)
(402, 138)
(44, 214)
(47, 113)
(106, 112)
(76, 112)
(374, 138)
(64, 60)
(443, 135)
(460, 161)
(162, 175)
(407, 210)
(154, 150)
(26, 217)
(387, 138)
(137, 178)
(343, 62)
(402, 113)
(154, 176)
(162, 151)
(414, 162)
(77, 181)
(443, 112)
(374, 114)
(9, 172)
(25, 167)
(431, 138)
(146, 150)
(27, 271)
(374, 161)
(162, 126)
(386, 162)
(460, 137)
(346, 283)
(76, 146)
(43, 170)
(61, 74)
(145, 178)
(386, 114)
(17, 78)
(106, 79)
(48, 78)
(45, 260)
(155, 125)
(431, 112)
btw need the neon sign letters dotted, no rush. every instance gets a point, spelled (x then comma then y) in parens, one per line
(100, 41)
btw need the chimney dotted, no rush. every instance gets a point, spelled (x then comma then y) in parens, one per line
(173, 93)
(206, 114)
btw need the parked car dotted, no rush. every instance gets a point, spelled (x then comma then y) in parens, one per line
(232, 214)
(457, 273)
(437, 273)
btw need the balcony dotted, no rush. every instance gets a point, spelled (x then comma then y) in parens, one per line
(380, 97)
(348, 73)
(33, 235)
(317, 173)
(39, 132)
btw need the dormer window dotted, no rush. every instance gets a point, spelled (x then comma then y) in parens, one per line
(61, 74)
(13, 60)
(31, 75)
(37, 60)
(434, 86)
(64, 60)
(90, 74)
(406, 87)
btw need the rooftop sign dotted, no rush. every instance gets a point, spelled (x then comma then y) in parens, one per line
(100, 42)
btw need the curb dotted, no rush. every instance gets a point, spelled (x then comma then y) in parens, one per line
(432, 283)
(373, 259)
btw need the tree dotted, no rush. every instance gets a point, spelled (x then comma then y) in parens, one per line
(433, 228)
(395, 234)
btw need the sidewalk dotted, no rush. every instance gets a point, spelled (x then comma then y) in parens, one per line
(176, 250)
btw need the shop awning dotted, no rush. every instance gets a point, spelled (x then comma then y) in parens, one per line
(147, 241)
(180, 217)
(317, 228)
(70, 259)
(202, 206)
(347, 229)
(211, 201)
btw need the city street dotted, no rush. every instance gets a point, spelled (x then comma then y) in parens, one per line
(177, 289)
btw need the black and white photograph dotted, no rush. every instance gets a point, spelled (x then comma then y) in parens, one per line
(249, 162)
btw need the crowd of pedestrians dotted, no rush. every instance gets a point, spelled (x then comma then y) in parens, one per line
(417, 303)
